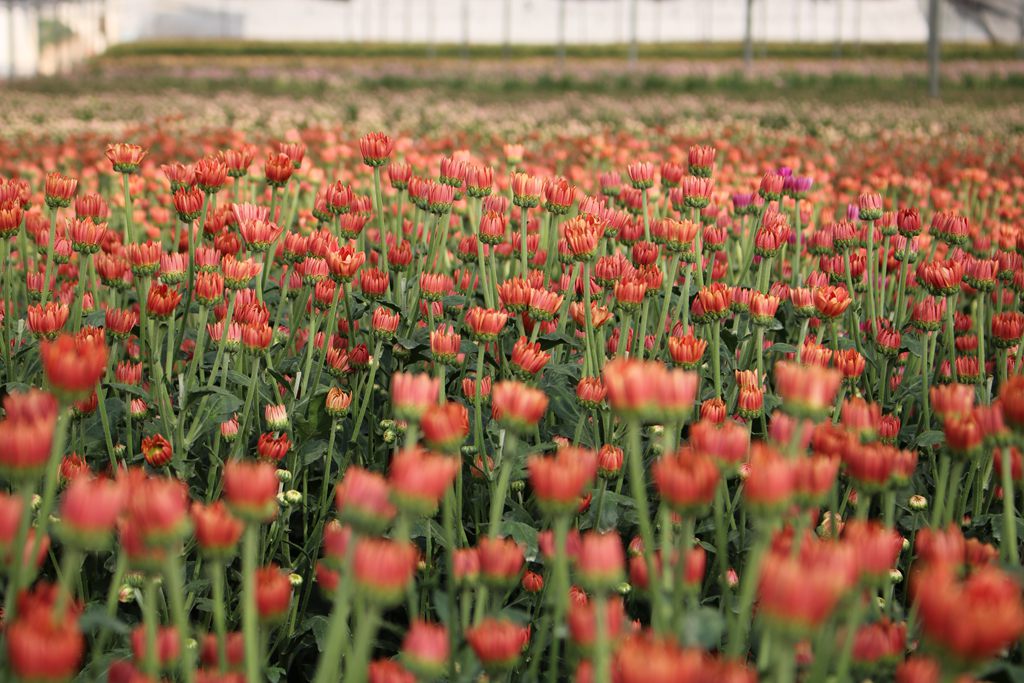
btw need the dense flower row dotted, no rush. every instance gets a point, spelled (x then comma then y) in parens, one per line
(678, 420)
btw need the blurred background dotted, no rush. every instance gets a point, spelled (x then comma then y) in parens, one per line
(45, 37)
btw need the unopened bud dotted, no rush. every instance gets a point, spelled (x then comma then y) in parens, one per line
(918, 503)
(293, 497)
(295, 579)
(895, 576)
(283, 476)
(518, 485)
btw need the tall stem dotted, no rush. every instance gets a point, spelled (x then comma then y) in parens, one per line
(250, 627)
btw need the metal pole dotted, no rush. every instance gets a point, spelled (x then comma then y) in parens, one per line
(934, 42)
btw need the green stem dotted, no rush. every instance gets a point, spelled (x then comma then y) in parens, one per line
(250, 626)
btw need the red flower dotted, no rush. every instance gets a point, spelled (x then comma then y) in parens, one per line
(445, 426)
(363, 500)
(278, 169)
(384, 568)
(250, 489)
(686, 480)
(273, 593)
(89, 511)
(27, 433)
(157, 450)
(497, 644)
(806, 390)
(600, 560)
(559, 482)
(517, 406)
(501, 560)
(217, 531)
(583, 622)
(419, 479)
(73, 365)
(59, 190)
(124, 157)
(211, 174)
(412, 394)
(376, 148)
(273, 446)
(40, 647)
(485, 324)
(425, 649)
(973, 618)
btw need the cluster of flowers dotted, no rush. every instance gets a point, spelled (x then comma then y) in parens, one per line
(666, 425)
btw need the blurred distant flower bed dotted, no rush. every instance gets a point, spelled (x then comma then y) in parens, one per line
(576, 388)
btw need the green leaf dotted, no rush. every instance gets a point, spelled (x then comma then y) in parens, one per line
(525, 534)
(318, 625)
(95, 619)
(929, 438)
(702, 628)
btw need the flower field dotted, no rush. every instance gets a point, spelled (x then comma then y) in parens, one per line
(572, 390)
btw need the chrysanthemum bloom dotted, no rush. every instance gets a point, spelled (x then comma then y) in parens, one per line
(526, 190)
(528, 359)
(376, 148)
(445, 426)
(971, 619)
(645, 658)
(144, 258)
(217, 531)
(124, 157)
(600, 561)
(43, 647)
(559, 481)
(73, 365)
(273, 446)
(156, 450)
(875, 547)
(806, 391)
(239, 159)
(162, 301)
(646, 390)
(419, 478)
(383, 569)
(158, 506)
(250, 489)
(211, 174)
(412, 394)
(686, 481)
(373, 283)
(47, 320)
(279, 169)
(363, 499)
(517, 406)
(337, 402)
(497, 644)
(273, 593)
(89, 512)
(59, 190)
(425, 649)
(501, 561)
(797, 596)
(385, 322)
